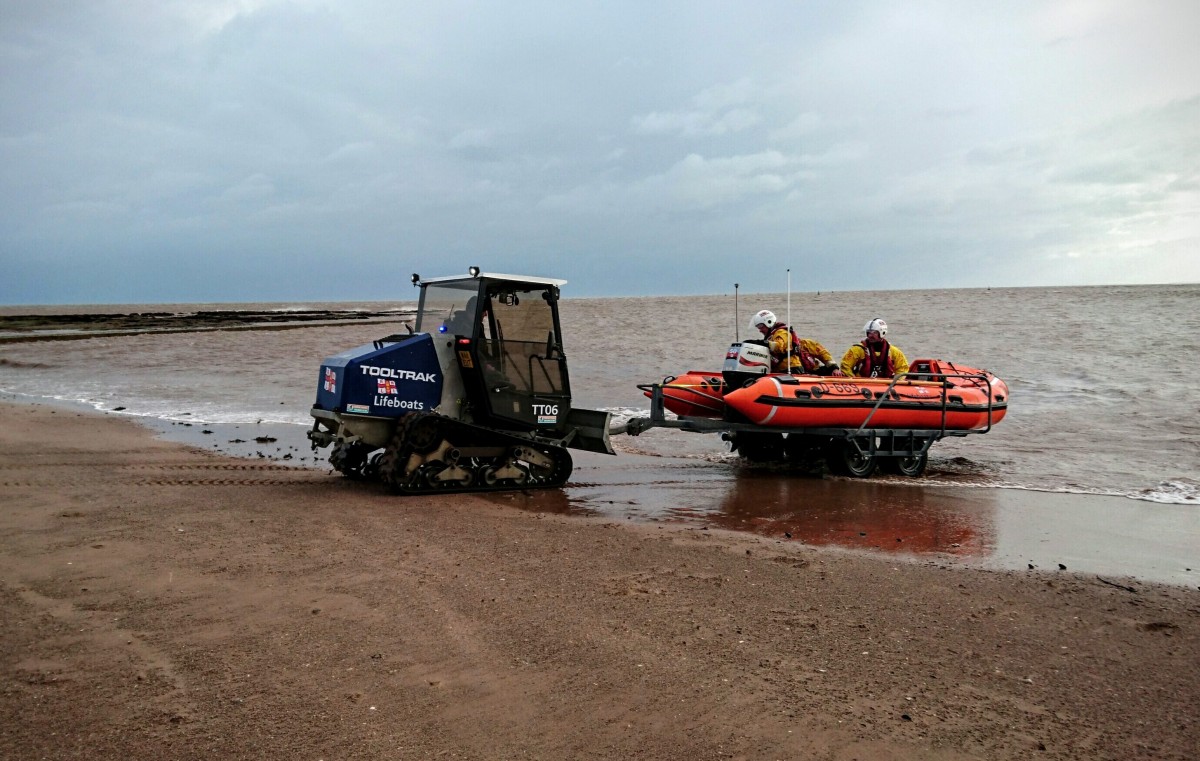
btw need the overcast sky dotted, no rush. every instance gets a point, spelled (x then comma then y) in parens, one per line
(248, 150)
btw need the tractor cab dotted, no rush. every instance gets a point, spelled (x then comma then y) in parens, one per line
(473, 398)
(501, 335)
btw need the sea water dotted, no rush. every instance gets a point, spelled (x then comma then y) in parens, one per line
(1103, 380)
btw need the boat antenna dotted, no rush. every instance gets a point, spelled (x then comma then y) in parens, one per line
(788, 366)
(736, 334)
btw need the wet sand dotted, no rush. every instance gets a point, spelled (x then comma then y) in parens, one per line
(1003, 529)
(160, 601)
(984, 527)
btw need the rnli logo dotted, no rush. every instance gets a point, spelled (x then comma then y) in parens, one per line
(330, 381)
(547, 414)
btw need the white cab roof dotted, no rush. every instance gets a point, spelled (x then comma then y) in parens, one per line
(497, 276)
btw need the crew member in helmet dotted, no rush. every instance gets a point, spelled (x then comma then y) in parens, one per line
(807, 356)
(874, 357)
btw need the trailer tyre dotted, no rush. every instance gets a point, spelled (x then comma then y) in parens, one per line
(906, 466)
(850, 460)
(760, 447)
(804, 450)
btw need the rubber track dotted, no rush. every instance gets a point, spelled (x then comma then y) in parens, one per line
(462, 434)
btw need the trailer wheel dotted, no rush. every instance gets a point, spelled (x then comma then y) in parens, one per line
(805, 450)
(906, 466)
(760, 447)
(850, 460)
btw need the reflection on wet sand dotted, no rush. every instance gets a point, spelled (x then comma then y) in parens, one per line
(990, 528)
(549, 501)
(876, 515)
(860, 515)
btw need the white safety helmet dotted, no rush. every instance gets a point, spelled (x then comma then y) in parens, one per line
(765, 317)
(876, 324)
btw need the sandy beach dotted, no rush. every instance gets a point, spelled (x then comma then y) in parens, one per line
(160, 601)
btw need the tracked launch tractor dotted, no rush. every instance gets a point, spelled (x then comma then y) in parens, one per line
(474, 397)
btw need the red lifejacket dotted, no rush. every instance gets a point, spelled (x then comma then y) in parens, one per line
(808, 362)
(875, 364)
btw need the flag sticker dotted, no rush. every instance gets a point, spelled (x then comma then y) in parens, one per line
(330, 380)
(386, 386)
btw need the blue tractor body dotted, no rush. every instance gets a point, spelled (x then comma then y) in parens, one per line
(382, 379)
(475, 396)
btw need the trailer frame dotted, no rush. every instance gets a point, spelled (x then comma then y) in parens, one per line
(852, 451)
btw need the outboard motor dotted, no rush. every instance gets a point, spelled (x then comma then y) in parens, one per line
(745, 361)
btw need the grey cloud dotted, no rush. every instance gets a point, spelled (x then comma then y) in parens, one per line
(696, 123)
(185, 147)
(717, 110)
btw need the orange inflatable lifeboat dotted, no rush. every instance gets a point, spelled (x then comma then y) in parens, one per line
(697, 393)
(694, 394)
(852, 424)
(936, 394)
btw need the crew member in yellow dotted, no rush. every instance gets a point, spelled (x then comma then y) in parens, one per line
(874, 357)
(807, 356)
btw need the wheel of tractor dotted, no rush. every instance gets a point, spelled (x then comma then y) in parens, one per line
(850, 460)
(395, 456)
(370, 471)
(350, 459)
(554, 475)
(424, 434)
(563, 466)
(426, 475)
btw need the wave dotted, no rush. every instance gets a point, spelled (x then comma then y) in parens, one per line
(23, 365)
(1166, 493)
(201, 416)
(1183, 491)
